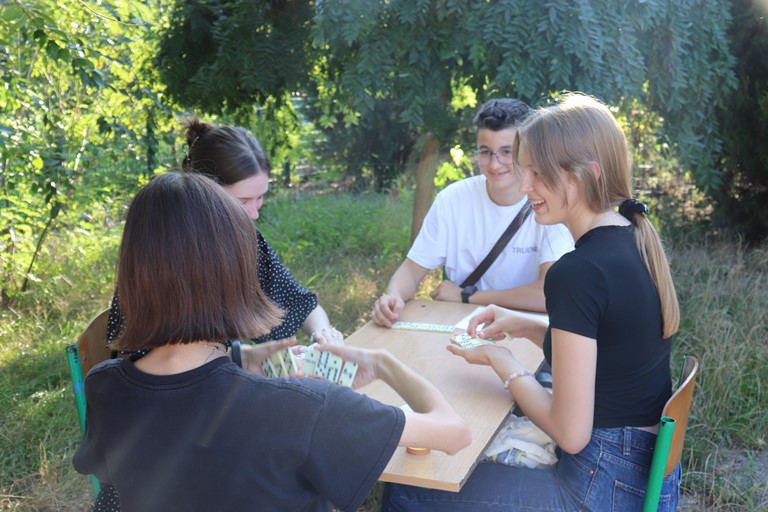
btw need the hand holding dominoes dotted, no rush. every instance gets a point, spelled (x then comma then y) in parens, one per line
(254, 355)
(317, 364)
(280, 364)
(465, 340)
(476, 350)
(328, 366)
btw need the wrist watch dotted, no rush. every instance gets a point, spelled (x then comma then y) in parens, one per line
(467, 292)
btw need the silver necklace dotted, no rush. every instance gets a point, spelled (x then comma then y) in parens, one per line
(214, 348)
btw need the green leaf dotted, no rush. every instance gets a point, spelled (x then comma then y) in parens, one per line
(82, 63)
(53, 50)
(41, 37)
(13, 13)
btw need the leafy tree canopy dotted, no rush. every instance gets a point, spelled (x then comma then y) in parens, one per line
(673, 54)
(434, 59)
(224, 55)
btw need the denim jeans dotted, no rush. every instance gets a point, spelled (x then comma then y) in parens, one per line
(609, 474)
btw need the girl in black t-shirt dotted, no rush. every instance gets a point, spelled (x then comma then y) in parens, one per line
(235, 160)
(612, 310)
(184, 428)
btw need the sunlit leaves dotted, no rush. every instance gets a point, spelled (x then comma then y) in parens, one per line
(65, 66)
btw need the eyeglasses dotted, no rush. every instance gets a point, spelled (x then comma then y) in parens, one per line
(504, 156)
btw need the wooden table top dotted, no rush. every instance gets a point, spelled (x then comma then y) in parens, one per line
(474, 391)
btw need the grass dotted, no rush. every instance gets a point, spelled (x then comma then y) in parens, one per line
(345, 247)
(724, 297)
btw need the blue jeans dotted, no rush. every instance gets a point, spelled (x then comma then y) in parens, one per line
(610, 474)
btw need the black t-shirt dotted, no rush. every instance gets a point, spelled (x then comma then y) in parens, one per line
(220, 438)
(602, 290)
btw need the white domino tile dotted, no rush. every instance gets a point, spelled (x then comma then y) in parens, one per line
(418, 326)
(311, 357)
(348, 374)
(321, 369)
(330, 367)
(289, 363)
(334, 368)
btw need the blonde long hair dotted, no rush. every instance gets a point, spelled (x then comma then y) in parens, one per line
(573, 135)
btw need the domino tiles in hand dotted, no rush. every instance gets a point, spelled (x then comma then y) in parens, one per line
(466, 341)
(330, 367)
(280, 364)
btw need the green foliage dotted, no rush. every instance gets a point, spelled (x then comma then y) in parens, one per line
(226, 55)
(407, 51)
(676, 206)
(460, 166)
(379, 144)
(723, 297)
(415, 67)
(415, 51)
(742, 198)
(243, 60)
(75, 278)
(336, 226)
(78, 108)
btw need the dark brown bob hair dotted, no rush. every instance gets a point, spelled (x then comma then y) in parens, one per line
(188, 268)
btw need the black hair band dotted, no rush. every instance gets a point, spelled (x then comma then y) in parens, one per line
(629, 207)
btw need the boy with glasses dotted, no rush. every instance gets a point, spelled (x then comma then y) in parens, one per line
(466, 221)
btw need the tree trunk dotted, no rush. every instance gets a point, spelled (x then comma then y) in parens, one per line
(425, 182)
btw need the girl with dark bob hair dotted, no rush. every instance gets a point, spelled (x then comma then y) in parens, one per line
(184, 428)
(235, 160)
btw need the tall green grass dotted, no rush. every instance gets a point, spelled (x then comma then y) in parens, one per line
(73, 279)
(345, 247)
(342, 246)
(723, 291)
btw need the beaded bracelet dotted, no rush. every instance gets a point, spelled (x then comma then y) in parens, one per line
(513, 376)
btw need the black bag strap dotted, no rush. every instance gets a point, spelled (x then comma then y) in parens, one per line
(504, 239)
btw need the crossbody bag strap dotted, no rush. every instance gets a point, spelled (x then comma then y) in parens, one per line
(502, 242)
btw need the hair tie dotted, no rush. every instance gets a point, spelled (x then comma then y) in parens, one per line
(629, 207)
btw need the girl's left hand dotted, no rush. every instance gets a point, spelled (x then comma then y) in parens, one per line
(483, 355)
(253, 355)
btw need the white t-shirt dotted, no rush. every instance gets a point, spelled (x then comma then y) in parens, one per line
(462, 226)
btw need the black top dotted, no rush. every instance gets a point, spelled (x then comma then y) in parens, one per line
(278, 284)
(602, 290)
(220, 438)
